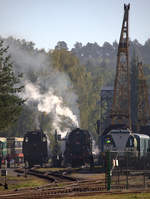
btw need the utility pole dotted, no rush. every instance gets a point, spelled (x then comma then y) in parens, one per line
(108, 166)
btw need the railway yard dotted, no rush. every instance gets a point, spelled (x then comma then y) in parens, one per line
(120, 170)
(68, 182)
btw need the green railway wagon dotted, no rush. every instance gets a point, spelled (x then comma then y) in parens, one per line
(3, 148)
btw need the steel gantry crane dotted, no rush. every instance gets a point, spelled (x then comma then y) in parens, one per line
(121, 111)
(123, 114)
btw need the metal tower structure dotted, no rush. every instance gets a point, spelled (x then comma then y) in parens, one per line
(106, 98)
(143, 101)
(121, 111)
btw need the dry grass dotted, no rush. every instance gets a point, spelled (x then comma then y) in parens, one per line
(15, 182)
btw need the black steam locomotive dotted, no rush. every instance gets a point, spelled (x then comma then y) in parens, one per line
(78, 149)
(35, 148)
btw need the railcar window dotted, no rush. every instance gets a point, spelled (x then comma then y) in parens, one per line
(131, 142)
(26, 139)
(18, 144)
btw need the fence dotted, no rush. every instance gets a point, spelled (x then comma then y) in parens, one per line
(127, 169)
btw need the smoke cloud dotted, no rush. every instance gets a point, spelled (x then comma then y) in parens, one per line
(50, 91)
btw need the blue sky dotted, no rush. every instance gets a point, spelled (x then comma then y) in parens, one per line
(45, 22)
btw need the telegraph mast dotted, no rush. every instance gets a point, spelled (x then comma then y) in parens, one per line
(121, 111)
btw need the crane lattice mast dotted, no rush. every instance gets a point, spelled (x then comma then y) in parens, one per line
(121, 111)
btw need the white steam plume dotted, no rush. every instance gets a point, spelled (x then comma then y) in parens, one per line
(53, 92)
(50, 104)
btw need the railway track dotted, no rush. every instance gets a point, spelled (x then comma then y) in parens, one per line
(65, 191)
(69, 186)
(52, 176)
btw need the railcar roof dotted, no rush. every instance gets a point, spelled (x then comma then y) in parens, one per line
(120, 131)
(141, 135)
(15, 138)
(114, 127)
(34, 132)
(79, 130)
(3, 139)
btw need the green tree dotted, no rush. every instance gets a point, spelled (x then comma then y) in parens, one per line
(61, 45)
(86, 87)
(10, 103)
